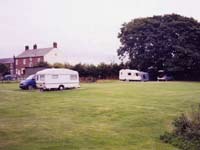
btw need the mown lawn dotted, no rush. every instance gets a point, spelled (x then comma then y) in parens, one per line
(99, 116)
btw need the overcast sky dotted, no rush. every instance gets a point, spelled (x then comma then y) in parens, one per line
(86, 30)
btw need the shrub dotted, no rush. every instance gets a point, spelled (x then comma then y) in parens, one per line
(42, 64)
(186, 132)
(58, 65)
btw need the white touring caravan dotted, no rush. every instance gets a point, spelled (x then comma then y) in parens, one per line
(57, 79)
(133, 75)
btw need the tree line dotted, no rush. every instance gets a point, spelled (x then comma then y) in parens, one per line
(168, 42)
(100, 71)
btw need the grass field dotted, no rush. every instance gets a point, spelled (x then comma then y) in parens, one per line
(99, 116)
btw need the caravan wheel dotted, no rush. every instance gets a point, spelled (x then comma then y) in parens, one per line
(61, 87)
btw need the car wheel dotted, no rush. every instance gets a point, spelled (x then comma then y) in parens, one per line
(30, 87)
(61, 87)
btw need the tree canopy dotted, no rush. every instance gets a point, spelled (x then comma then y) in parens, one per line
(169, 42)
(3, 69)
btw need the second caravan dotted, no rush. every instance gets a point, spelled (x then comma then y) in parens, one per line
(57, 79)
(133, 75)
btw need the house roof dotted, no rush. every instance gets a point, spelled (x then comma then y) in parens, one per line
(6, 60)
(35, 52)
(57, 71)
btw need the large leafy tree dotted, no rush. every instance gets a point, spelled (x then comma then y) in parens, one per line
(3, 69)
(170, 42)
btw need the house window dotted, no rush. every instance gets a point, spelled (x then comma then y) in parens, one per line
(22, 71)
(16, 62)
(30, 59)
(54, 76)
(129, 73)
(30, 64)
(73, 77)
(18, 72)
(24, 61)
(38, 60)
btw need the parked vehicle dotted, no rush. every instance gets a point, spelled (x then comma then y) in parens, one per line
(29, 83)
(9, 77)
(61, 79)
(164, 76)
(133, 75)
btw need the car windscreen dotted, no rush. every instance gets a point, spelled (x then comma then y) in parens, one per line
(30, 77)
(161, 74)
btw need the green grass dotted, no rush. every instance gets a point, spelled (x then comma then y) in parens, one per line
(98, 116)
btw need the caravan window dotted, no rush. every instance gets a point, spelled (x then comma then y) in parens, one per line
(54, 76)
(129, 73)
(42, 77)
(73, 77)
(137, 74)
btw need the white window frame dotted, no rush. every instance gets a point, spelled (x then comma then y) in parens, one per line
(18, 72)
(16, 62)
(22, 71)
(30, 64)
(24, 61)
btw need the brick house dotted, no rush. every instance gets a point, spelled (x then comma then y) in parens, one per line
(9, 62)
(31, 57)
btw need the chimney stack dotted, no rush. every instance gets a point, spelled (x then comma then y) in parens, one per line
(34, 46)
(26, 47)
(55, 45)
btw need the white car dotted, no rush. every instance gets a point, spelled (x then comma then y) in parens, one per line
(163, 76)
